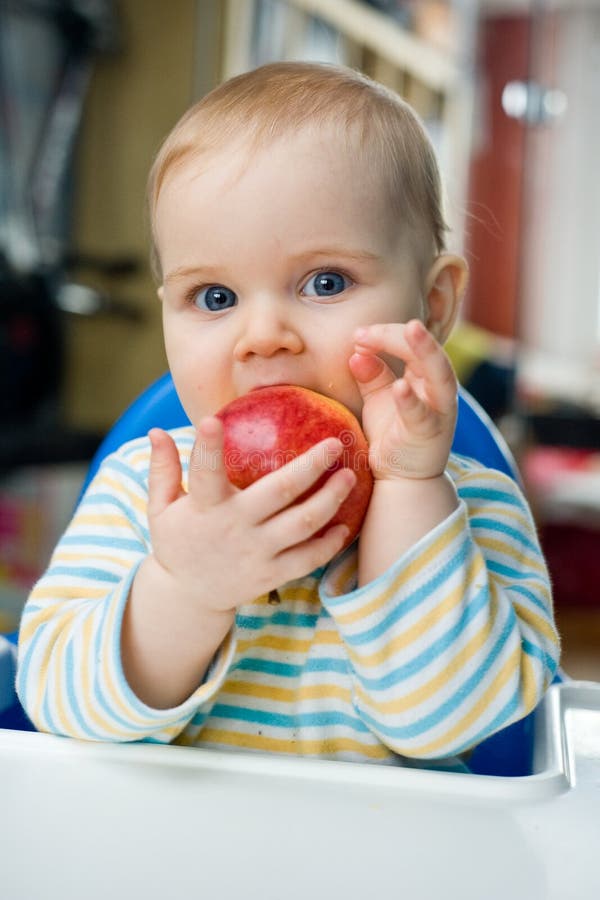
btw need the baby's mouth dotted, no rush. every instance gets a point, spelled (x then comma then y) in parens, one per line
(264, 384)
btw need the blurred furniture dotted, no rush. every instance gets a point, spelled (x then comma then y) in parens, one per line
(558, 401)
(48, 50)
(419, 50)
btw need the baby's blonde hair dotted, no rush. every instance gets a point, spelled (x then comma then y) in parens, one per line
(279, 98)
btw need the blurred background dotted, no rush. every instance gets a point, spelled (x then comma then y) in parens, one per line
(510, 93)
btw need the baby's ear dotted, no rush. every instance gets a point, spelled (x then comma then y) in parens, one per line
(161, 293)
(445, 285)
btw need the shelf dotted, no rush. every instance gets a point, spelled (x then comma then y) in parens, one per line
(385, 37)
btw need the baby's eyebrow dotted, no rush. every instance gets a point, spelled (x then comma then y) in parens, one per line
(332, 253)
(207, 272)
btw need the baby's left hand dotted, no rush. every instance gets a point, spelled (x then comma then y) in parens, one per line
(408, 421)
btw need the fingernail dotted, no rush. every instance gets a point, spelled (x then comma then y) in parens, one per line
(350, 477)
(332, 452)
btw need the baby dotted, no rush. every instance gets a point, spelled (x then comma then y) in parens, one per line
(299, 239)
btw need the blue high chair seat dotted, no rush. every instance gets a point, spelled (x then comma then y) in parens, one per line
(510, 751)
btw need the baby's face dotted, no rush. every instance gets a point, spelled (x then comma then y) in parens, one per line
(270, 263)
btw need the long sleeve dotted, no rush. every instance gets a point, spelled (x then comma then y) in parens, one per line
(457, 639)
(70, 679)
(454, 642)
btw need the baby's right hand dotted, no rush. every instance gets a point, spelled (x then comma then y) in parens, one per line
(229, 546)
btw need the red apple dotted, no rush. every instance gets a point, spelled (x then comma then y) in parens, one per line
(271, 426)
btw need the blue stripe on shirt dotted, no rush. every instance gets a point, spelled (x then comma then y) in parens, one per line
(492, 494)
(113, 543)
(280, 720)
(495, 525)
(288, 670)
(507, 571)
(537, 601)
(72, 695)
(84, 572)
(549, 662)
(281, 617)
(113, 464)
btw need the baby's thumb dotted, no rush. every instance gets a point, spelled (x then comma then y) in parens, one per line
(370, 372)
(164, 479)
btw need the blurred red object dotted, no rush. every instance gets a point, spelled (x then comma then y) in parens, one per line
(543, 466)
(573, 556)
(563, 484)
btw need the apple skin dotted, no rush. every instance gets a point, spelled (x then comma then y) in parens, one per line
(271, 426)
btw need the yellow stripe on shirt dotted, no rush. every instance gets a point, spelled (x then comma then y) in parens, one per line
(304, 747)
(411, 571)
(286, 695)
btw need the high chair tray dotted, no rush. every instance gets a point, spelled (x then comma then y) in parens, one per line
(147, 821)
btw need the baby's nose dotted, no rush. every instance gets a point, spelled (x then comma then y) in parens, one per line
(267, 329)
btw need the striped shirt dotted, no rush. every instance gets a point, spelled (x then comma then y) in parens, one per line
(454, 642)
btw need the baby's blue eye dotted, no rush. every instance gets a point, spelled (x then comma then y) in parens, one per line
(326, 284)
(215, 298)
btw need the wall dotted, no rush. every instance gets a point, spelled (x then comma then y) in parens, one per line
(135, 98)
(495, 202)
(561, 283)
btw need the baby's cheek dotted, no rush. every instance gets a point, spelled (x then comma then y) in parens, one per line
(347, 391)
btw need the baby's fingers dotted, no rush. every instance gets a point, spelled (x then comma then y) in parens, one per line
(427, 367)
(164, 477)
(430, 367)
(416, 415)
(301, 522)
(313, 553)
(283, 487)
(208, 483)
